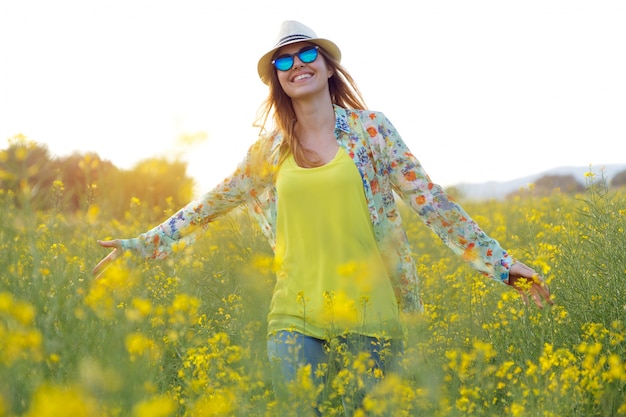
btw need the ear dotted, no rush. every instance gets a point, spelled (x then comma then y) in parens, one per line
(330, 73)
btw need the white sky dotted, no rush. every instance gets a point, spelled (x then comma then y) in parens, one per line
(480, 90)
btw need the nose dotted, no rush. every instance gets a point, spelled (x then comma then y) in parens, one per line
(297, 63)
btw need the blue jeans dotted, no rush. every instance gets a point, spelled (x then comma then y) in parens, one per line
(289, 353)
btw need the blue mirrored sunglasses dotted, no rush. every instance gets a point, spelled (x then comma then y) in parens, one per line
(307, 55)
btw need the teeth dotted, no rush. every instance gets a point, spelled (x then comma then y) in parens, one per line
(302, 77)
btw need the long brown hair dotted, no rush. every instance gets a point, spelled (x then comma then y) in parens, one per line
(343, 92)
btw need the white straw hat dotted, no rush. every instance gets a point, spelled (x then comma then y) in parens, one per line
(292, 32)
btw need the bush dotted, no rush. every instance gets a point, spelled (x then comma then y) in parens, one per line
(186, 336)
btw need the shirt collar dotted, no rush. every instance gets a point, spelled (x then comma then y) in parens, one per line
(341, 119)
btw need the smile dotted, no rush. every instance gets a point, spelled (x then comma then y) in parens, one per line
(301, 77)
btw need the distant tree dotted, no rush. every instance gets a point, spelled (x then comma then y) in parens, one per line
(547, 184)
(455, 192)
(158, 184)
(565, 183)
(78, 181)
(619, 180)
(82, 175)
(27, 171)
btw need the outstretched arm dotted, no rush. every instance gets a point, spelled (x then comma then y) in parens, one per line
(452, 224)
(249, 179)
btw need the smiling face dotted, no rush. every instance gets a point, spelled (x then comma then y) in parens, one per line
(303, 79)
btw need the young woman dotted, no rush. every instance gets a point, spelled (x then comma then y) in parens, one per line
(322, 183)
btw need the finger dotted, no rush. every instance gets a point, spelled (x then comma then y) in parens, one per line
(536, 297)
(115, 243)
(523, 295)
(104, 263)
(543, 291)
(101, 266)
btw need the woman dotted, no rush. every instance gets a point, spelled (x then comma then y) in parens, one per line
(322, 186)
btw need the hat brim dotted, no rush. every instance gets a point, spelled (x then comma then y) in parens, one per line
(264, 66)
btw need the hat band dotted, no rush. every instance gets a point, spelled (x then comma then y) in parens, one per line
(292, 38)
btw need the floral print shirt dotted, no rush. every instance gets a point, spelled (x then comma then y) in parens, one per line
(387, 168)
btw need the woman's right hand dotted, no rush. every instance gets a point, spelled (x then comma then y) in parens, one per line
(113, 255)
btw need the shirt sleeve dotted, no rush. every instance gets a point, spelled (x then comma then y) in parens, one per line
(445, 217)
(184, 227)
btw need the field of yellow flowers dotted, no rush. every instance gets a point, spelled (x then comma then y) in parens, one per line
(186, 336)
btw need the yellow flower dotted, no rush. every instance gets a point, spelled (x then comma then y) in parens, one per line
(219, 403)
(55, 401)
(140, 309)
(92, 213)
(58, 186)
(617, 369)
(159, 406)
(517, 410)
(139, 345)
(340, 310)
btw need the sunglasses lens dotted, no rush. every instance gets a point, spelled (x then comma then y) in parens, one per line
(308, 54)
(283, 63)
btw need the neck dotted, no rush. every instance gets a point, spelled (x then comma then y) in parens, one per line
(314, 116)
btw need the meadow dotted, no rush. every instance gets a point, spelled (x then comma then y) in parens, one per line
(186, 336)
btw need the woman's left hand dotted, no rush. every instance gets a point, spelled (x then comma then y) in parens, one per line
(526, 281)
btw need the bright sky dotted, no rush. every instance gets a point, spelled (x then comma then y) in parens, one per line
(480, 90)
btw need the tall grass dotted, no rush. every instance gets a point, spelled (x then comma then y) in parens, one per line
(186, 336)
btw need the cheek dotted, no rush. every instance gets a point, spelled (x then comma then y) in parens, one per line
(328, 69)
(282, 78)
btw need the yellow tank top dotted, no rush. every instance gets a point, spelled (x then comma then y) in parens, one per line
(331, 278)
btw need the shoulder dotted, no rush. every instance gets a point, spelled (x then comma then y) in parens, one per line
(362, 119)
(365, 115)
(374, 122)
(267, 143)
